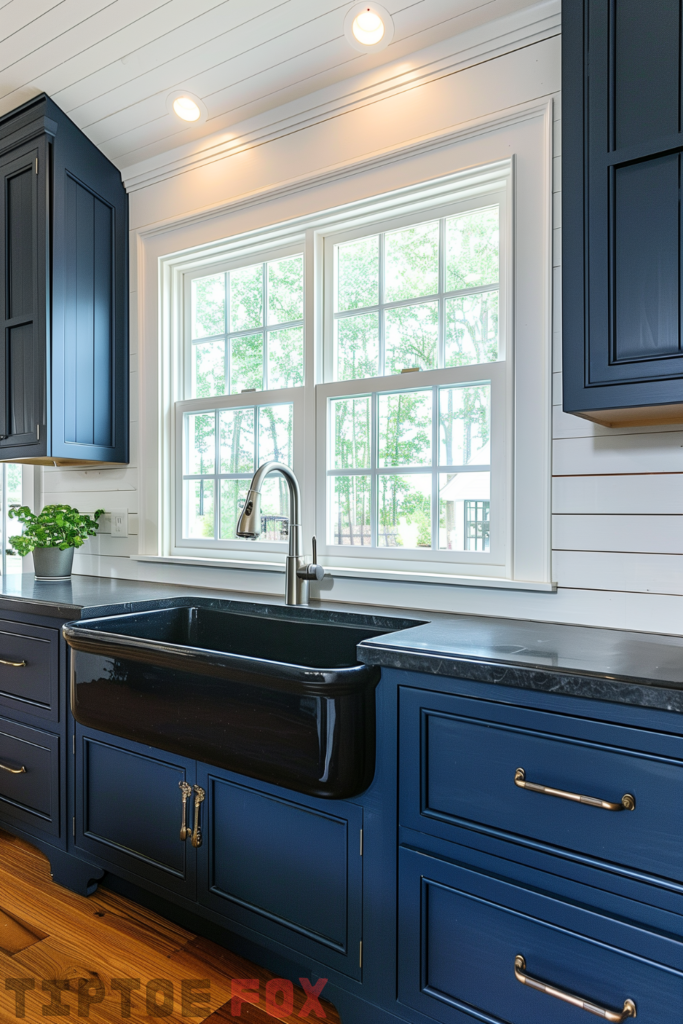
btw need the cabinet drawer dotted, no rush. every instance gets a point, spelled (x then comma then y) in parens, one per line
(29, 775)
(29, 666)
(460, 931)
(459, 758)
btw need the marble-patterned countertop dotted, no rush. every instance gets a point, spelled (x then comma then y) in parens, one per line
(643, 669)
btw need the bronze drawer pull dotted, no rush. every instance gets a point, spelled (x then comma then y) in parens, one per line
(185, 830)
(12, 771)
(14, 664)
(199, 795)
(628, 802)
(616, 1016)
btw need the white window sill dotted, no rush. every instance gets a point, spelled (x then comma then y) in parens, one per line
(436, 578)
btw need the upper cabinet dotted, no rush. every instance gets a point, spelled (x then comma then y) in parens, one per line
(622, 110)
(63, 294)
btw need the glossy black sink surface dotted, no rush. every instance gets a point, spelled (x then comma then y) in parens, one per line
(271, 692)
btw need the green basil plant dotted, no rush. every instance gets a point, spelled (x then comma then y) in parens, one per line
(57, 526)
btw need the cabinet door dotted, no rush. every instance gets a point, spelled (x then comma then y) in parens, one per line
(461, 930)
(287, 868)
(622, 265)
(129, 807)
(23, 295)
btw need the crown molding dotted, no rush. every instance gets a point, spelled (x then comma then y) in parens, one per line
(523, 28)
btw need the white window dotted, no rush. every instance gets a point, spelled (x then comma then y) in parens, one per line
(371, 349)
(417, 310)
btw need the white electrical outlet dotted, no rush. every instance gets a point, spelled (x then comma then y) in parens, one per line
(119, 522)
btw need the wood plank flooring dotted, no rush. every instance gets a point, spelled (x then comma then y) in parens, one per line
(108, 959)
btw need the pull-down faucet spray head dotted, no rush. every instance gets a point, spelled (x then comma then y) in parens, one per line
(249, 522)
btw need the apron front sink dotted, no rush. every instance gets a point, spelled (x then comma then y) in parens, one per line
(274, 693)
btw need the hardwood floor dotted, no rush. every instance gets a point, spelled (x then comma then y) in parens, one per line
(108, 959)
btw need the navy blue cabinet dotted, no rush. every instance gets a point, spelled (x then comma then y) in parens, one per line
(29, 777)
(129, 810)
(63, 293)
(284, 865)
(461, 930)
(265, 862)
(459, 766)
(622, 111)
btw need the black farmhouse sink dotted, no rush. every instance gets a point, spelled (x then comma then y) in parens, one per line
(271, 692)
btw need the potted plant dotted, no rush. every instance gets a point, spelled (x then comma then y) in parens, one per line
(52, 536)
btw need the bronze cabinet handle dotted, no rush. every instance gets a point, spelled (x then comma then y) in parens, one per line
(199, 795)
(13, 771)
(13, 664)
(185, 830)
(616, 1016)
(628, 802)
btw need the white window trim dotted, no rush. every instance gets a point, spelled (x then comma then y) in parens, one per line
(530, 567)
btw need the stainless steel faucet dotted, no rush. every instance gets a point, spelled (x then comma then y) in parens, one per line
(298, 571)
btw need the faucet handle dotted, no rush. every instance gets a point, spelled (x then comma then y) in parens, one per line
(312, 571)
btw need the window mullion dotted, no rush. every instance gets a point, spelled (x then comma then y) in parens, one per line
(382, 367)
(435, 467)
(228, 355)
(374, 478)
(216, 468)
(441, 357)
(265, 326)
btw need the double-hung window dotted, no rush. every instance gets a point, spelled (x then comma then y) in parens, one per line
(387, 389)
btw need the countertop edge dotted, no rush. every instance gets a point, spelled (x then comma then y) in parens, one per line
(573, 684)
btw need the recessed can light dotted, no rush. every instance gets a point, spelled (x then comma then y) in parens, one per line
(368, 26)
(186, 105)
(187, 109)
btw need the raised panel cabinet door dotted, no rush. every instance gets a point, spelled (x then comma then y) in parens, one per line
(622, 258)
(24, 178)
(461, 931)
(284, 866)
(129, 810)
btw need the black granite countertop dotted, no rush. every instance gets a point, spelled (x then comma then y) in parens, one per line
(644, 669)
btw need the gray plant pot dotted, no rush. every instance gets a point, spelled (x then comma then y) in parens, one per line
(53, 564)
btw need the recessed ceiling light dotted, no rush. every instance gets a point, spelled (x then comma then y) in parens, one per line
(368, 26)
(186, 105)
(187, 109)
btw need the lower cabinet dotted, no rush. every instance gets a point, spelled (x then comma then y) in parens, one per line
(129, 807)
(468, 941)
(288, 868)
(29, 777)
(285, 867)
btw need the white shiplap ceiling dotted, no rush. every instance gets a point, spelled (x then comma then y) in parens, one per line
(110, 64)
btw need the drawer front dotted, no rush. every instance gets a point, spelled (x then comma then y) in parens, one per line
(29, 668)
(29, 775)
(458, 769)
(460, 932)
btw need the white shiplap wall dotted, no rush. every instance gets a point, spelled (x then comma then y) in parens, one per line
(617, 496)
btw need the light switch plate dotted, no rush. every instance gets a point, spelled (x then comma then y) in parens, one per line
(119, 522)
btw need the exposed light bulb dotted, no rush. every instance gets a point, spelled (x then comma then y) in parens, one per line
(187, 109)
(368, 27)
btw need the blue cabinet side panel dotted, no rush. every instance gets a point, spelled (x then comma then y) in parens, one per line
(88, 313)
